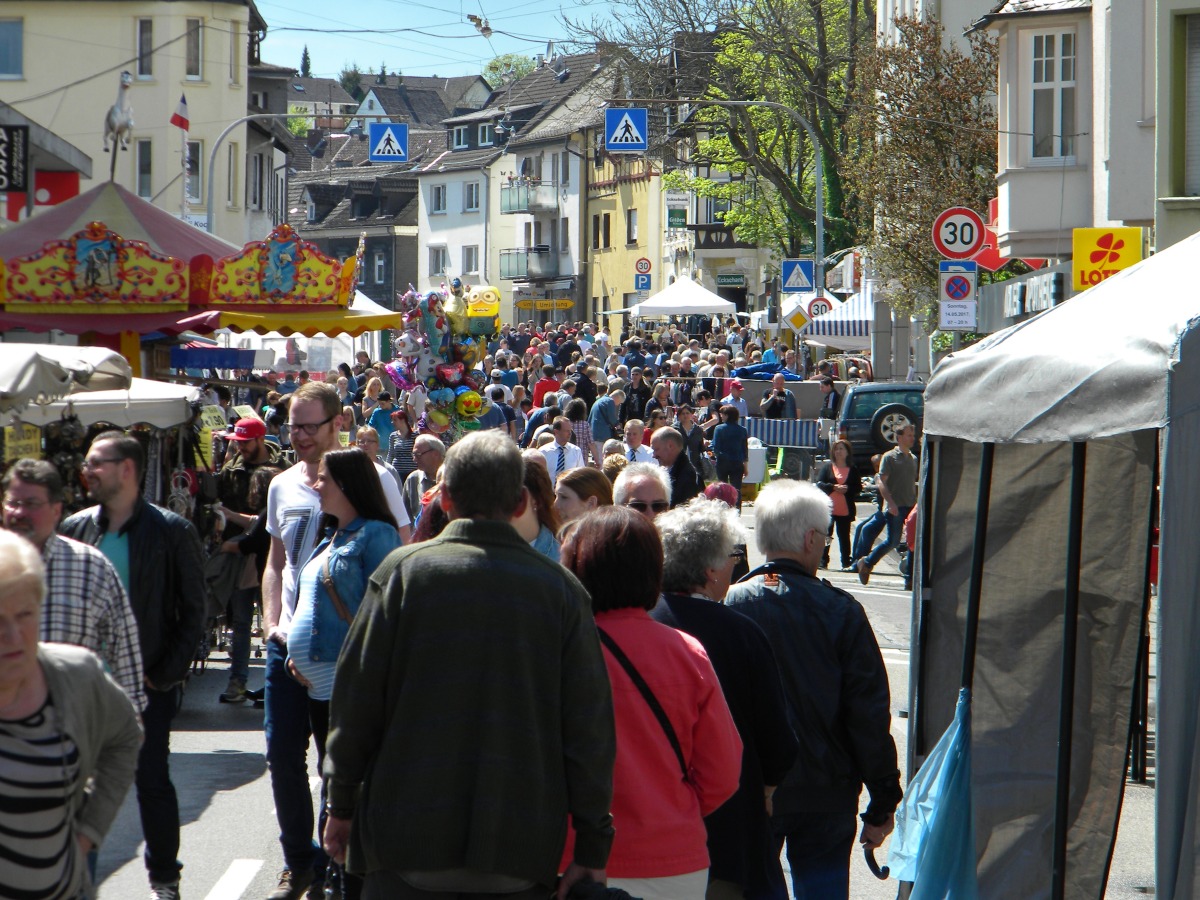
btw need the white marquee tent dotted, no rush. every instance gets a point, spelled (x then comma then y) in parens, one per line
(682, 298)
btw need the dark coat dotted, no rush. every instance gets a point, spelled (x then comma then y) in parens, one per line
(827, 482)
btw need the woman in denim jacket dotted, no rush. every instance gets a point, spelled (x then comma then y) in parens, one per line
(359, 532)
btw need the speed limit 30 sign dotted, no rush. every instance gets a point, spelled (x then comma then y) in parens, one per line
(958, 233)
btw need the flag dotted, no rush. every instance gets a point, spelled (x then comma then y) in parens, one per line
(180, 119)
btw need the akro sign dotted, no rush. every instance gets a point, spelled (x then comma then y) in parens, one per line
(1099, 253)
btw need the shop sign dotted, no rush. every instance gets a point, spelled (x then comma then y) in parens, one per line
(22, 441)
(543, 304)
(14, 158)
(676, 218)
(1100, 253)
(732, 280)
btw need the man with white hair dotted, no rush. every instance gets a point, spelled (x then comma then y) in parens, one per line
(644, 488)
(836, 687)
(428, 453)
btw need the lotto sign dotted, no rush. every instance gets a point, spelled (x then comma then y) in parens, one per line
(958, 233)
(642, 266)
(1100, 253)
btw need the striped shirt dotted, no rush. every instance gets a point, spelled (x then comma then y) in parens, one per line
(400, 453)
(87, 605)
(39, 768)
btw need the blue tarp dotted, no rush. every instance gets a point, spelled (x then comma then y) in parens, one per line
(765, 371)
(211, 358)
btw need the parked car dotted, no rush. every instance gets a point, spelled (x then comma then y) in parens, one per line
(871, 412)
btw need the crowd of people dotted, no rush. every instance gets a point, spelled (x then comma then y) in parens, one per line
(532, 659)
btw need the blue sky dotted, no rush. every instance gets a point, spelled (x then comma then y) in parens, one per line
(444, 42)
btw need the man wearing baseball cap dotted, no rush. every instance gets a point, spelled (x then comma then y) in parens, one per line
(735, 399)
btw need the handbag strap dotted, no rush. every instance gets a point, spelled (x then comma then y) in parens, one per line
(327, 580)
(651, 700)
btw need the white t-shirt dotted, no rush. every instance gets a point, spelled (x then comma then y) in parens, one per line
(294, 516)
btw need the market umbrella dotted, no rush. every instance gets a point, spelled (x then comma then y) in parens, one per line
(42, 373)
(146, 402)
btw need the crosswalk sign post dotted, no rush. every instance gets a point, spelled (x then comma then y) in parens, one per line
(389, 141)
(625, 130)
(797, 276)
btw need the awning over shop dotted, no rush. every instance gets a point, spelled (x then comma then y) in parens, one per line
(847, 327)
(145, 402)
(41, 373)
(363, 315)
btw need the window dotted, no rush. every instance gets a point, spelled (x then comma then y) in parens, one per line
(606, 231)
(235, 52)
(437, 198)
(380, 266)
(596, 232)
(485, 135)
(231, 159)
(564, 239)
(145, 183)
(631, 226)
(439, 261)
(460, 136)
(11, 42)
(192, 48)
(471, 196)
(470, 261)
(258, 99)
(1053, 57)
(145, 48)
(564, 168)
(194, 149)
(1191, 118)
(598, 150)
(312, 210)
(258, 177)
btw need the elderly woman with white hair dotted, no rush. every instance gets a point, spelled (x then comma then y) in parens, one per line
(702, 542)
(69, 740)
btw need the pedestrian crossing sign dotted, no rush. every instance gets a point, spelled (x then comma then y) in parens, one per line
(389, 141)
(625, 130)
(797, 276)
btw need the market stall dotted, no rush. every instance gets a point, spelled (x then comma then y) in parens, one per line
(42, 373)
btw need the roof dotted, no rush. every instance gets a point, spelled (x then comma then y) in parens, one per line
(319, 90)
(418, 106)
(490, 112)
(450, 90)
(338, 187)
(269, 70)
(1009, 8)
(459, 160)
(540, 93)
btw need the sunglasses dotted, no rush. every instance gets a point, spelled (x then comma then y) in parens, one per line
(641, 505)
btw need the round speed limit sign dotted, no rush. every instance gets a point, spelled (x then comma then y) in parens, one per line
(818, 306)
(958, 233)
(642, 266)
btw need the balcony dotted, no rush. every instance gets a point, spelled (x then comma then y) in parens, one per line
(529, 263)
(717, 236)
(524, 196)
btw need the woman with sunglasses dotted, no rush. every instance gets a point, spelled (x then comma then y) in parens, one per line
(359, 532)
(671, 771)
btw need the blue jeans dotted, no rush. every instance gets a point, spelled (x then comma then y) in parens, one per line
(818, 852)
(287, 728)
(158, 804)
(866, 532)
(895, 532)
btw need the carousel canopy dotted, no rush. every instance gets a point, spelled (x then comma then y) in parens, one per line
(42, 373)
(363, 315)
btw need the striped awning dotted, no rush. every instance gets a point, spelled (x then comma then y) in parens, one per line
(850, 320)
(783, 432)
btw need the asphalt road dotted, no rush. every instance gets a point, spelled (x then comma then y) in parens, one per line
(230, 845)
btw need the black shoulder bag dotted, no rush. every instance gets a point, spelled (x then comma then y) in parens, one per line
(651, 700)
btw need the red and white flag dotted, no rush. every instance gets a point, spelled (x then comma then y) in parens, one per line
(180, 119)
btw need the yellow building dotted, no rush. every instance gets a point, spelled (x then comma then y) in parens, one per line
(61, 65)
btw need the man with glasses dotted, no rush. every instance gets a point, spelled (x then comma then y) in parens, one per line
(428, 453)
(160, 561)
(293, 519)
(644, 488)
(836, 687)
(85, 603)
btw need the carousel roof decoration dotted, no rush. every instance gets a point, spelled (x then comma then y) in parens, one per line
(282, 270)
(98, 268)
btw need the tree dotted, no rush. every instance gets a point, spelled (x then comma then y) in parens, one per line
(507, 68)
(305, 64)
(924, 120)
(351, 81)
(300, 123)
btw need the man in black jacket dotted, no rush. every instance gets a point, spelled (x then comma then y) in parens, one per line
(585, 388)
(159, 558)
(669, 449)
(837, 692)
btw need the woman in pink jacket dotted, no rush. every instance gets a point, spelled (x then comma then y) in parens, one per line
(671, 769)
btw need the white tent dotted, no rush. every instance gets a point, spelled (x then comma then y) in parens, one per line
(40, 373)
(1049, 448)
(847, 327)
(147, 402)
(683, 298)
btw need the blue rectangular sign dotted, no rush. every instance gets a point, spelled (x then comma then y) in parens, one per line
(641, 282)
(389, 141)
(958, 265)
(625, 130)
(797, 276)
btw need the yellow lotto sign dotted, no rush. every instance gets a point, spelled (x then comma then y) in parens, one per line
(1099, 253)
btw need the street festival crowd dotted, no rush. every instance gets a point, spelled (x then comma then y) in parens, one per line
(532, 659)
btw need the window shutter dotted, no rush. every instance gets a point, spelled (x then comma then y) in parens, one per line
(1191, 119)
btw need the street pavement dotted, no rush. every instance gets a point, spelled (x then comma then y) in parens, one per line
(230, 847)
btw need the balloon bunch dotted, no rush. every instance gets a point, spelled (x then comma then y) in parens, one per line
(445, 334)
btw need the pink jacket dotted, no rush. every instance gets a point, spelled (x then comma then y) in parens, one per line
(658, 816)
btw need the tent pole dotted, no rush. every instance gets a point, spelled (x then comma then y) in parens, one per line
(1140, 721)
(1066, 712)
(920, 618)
(975, 588)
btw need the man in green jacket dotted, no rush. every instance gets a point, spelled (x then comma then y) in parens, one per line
(471, 713)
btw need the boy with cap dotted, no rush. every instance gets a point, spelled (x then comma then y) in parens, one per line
(736, 400)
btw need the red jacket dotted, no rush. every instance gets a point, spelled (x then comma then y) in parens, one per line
(540, 387)
(658, 817)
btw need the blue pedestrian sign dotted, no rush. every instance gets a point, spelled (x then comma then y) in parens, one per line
(625, 130)
(389, 141)
(641, 282)
(798, 276)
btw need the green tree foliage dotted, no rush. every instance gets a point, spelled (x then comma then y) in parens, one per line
(351, 81)
(299, 124)
(924, 120)
(507, 68)
(305, 64)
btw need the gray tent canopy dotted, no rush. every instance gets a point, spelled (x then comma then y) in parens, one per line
(1076, 403)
